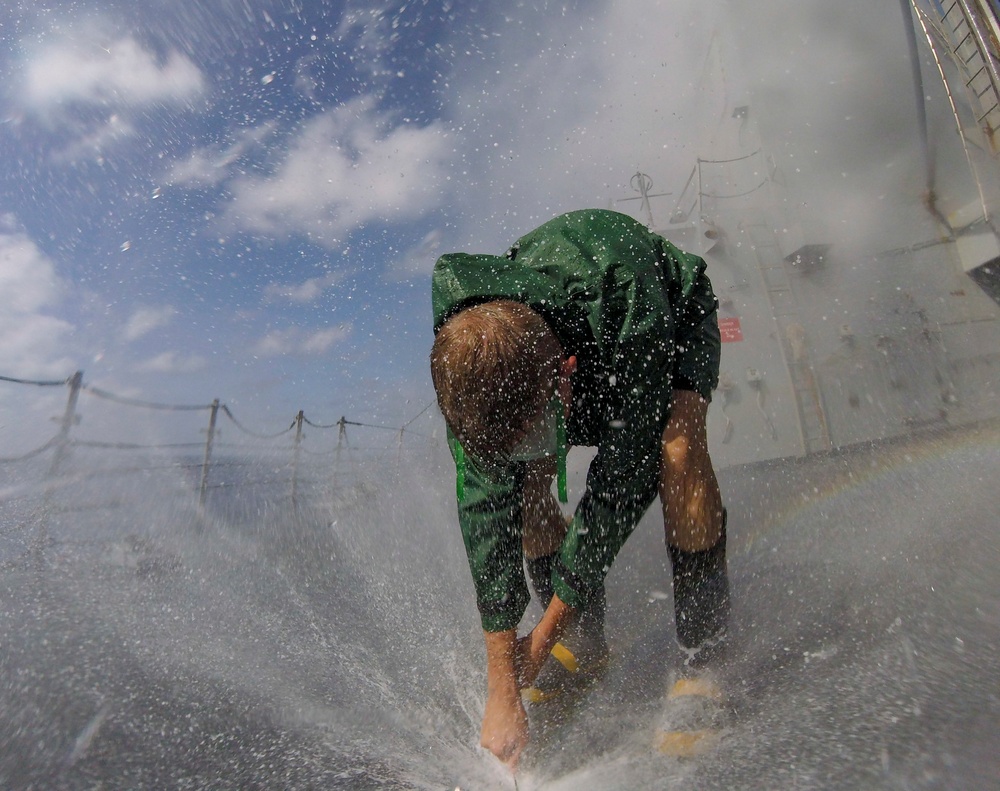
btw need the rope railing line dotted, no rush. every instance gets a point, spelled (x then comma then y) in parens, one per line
(143, 404)
(307, 421)
(140, 468)
(371, 449)
(37, 383)
(408, 422)
(8, 530)
(379, 450)
(415, 434)
(224, 462)
(32, 453)
(339, 423)
(342, 422)
(345, 422)
(261, 451)
(258, 483)
(96, 391)
(228, 413)
(370, 425)
(83, 443)
(738, 195)
(63, 443)
(728, 161)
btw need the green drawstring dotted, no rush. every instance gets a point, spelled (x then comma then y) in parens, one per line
(561, 450)
(459, 452)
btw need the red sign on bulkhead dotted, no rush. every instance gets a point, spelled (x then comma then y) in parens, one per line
(730, 329)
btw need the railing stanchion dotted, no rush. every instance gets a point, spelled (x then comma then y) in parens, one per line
(295, 461)
(208, 452)
(63, 445)
(69, 420)
(341, 438)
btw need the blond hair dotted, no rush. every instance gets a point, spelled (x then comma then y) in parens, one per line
(494, 366)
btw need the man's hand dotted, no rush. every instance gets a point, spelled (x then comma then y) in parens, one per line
(505, 728)
(510, 665)
(533, 649)
(505, 723)
(530, 654)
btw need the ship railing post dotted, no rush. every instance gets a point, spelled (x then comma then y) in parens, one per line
(203, 489)
(295, 461)
(69, 420)
(341, 439)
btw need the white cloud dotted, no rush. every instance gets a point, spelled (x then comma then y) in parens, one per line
(318, 342)
(530, 133)
(306, 292)
(211, 165)
(32, 343)
(372, 28)
(83, 70)
(146, 319)
(95, 141)
(28, 280)
(294, 341)
(347, 167)
(419, 259)
(111, 79)
(173, 363)
(205, 167)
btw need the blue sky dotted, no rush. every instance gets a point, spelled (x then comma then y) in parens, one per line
(244, 200)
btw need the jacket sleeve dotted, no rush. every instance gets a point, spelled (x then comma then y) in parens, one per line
(489, 515)
(698, 343)
(637, 342)
(667, 337)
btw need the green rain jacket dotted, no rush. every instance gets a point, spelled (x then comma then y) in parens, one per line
(640, 316)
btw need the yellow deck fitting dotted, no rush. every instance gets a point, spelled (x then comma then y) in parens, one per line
(686, 744)
(703, 687)
(536, 695)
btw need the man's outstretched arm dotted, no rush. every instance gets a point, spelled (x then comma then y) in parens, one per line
(505, 723)
(512, 664)
(534, 648)
(689, 489)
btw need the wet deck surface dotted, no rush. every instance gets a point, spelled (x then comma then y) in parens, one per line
(341, 649)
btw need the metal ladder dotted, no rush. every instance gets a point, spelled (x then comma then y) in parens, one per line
(784, 308)
(974, 46)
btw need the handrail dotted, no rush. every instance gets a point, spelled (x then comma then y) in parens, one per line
(63, 443)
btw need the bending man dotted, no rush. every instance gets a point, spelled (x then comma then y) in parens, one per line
(590, 330)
